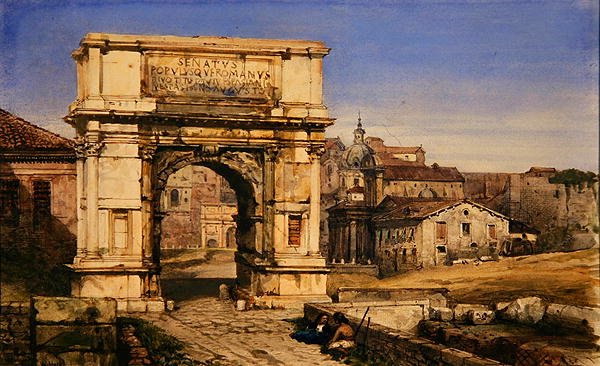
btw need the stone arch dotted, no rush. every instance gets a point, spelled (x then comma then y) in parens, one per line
(241, 169)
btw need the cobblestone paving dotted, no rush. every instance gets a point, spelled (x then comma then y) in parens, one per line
(216, 334)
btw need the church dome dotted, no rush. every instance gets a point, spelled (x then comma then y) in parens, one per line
(359, 154)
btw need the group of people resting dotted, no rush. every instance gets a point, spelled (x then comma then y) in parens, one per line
(337, 337)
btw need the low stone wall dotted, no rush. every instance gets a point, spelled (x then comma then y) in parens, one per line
(436, 296)
(368, 269)
(401, 348)
(74, 331)
(15, 334)
(137, 353)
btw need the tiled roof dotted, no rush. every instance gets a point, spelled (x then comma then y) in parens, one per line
(412, 207)
(423, 173)
(409, 208)
(21, 140)
(541, 169)
(388, 158)
(402, 149)
(331, 142)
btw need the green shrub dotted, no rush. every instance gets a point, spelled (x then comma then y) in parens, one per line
(164, 349)
(574, 177)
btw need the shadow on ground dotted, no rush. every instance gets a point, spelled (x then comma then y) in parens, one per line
(183, 289)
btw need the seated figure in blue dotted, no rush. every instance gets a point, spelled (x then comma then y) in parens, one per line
(318, 332)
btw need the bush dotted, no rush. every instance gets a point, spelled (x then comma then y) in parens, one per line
(574, 177)
(553, 240)
(164, 349)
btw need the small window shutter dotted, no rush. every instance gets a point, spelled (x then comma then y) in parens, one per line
(294, 222)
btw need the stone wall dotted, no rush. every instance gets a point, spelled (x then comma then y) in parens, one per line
(14, 334)
(400, 348)
(74, 331)
(532, 199)
(435, 296)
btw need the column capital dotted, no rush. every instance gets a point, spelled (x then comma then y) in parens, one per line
(85, 149)
(315, 151)
(271, 152)
(147, 152)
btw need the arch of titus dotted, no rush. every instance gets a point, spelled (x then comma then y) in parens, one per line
(250, 109)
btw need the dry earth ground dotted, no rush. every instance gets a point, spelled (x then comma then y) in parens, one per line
(565, 278)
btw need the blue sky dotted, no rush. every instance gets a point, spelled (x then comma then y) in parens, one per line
(482, 85)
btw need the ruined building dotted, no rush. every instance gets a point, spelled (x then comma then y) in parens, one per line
(530, 197)
(412, 233)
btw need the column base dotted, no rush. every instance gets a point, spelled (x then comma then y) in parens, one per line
(124, 284)
(288, 282)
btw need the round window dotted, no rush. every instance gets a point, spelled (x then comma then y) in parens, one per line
(466, 212)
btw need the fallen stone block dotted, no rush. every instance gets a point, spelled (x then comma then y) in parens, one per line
(461, 311)
(501, 306)
(438, 300)
(170, 305)
(224, 292)
(480, 317)
(527, 310)
(441, 313)
(581, 319)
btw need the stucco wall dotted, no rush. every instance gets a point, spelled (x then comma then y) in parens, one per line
(399, 251)
(449, 190)
(63, 178)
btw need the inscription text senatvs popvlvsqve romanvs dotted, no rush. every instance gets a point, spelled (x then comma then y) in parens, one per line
(209, 77)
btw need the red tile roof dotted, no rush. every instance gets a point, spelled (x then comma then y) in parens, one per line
(423, 173)
(331, 142)
(21, 140)
(387, 158)
(411, 207)
(394, 207)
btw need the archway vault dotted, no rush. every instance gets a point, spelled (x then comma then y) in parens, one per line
(251, 110)
(243, 170)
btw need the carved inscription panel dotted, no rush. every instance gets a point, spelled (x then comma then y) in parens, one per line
(210, 76)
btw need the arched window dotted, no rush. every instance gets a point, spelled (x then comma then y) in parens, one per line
(174, 196)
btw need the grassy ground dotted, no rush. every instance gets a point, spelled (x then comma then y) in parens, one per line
(568, 278)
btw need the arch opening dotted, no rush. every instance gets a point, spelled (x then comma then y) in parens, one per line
(196, 240)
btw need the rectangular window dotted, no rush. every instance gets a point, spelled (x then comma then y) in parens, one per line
(9, 201)
(41, 202)
(466, 228)
(120, 239)
(491, 231)
(294, 226)
(120, 231)
(441, 231)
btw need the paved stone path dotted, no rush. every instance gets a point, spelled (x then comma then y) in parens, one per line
(217, 334)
